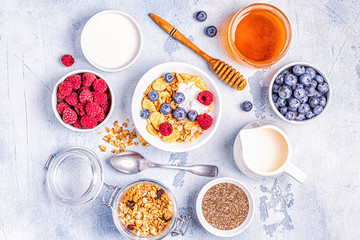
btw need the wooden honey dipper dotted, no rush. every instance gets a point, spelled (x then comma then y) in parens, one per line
(224, 71)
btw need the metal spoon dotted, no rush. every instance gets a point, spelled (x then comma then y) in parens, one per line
(132, 162)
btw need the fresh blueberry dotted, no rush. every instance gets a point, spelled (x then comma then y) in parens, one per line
(314, 83)
(192, 115)
(211, 31)
(285, 72)
(275, 97)
(318, 109)
(292, 109)
(294, 103)
(145, 113)
(311, 72)
(314, 101)
(299, 116)
(284, 92)
(201, 16)
(299, 93)
(281, 102)
(283, 110)
(298, 70)
(246, 106)
(304, 108)
(179, 97)
(305, 79)
(310, 91)
(279, 79)
(291, 79)
(317, 94)
(319, 78)
(153, 95)
(322, 101)
(298, 85)
(179, 113)
(304, 99)
(290, 115)
(168, 77)
(165, 108)
(309, 114)
(275, 88)
(323, 87)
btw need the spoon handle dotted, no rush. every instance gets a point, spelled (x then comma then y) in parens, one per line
(201, 170)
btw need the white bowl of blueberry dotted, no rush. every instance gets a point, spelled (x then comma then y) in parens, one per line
(299, 93)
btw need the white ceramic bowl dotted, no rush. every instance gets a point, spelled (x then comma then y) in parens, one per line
(93, 22)
(328, 94)
(157, 72)
(54, 101)
(215, 231)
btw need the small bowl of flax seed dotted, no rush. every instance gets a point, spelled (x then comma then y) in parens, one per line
(225, 207)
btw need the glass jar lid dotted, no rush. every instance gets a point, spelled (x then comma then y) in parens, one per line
(75, 176)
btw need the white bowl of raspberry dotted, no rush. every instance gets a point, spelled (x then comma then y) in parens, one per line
(83, 100)
(163, 109)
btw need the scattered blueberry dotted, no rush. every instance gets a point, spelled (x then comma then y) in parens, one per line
(153, 95)
(305, 79)
(201, 16)
(322, 101)
(145, 113)
(281, 102)
(291, 79)
(211, 31)
(311, 72)
(318, 109)
(179, 113)
(279, 79)
(283, 110)
(192, 115)
(298, 70)
(275, 97)
(310, 91)
(314, 83)
(294, 103)
(314, 101)
(304, 108)
(246, 106)
(179, 97)
(168, 77)
(284, 92)
(299, 93)
(299, 116)
(319, 78)
(290, 115)
(304, 99)
(323, 87)
(309, 114)
(165, 108)
(275, 88)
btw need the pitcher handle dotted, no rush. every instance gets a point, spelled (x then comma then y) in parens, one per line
(296, 173)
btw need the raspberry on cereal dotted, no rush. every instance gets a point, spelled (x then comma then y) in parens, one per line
(82, 89)
(99, 85)
(69, 116)
(65, 88)
(205, 97)
(100, 116)
(100, 98)
(67, 60)
(77, 124)
(72, 99)
(165, 128)
(205, 121)
(85, 96)
(88, 79)
(88, 122)
(105, 106)
(80, 109)
(92, 109)
(61, 107)
(75, 81)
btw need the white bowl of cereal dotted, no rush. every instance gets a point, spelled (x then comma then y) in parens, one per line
(225, 207)
(182, 113)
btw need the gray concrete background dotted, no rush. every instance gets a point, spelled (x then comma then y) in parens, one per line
(35, 34)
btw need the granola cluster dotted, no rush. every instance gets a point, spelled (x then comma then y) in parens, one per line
(146, 209)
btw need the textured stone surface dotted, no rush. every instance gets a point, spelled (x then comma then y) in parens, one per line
(35, 34)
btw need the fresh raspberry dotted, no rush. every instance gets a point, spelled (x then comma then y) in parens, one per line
(100, 98)
(60, 95)
(88, 79)
(61, 107)
(101, 116)
(205, 97)
(65, 88)
(67, 60)
(85, 96)
(100, 85)
(72, 99)
(205, 121)
(92, 109)
(165, 128)
(77, 124)
(69, 116)
(88, 122)
(105, 106)
(82, 89)
(75, 81)
(80, 109)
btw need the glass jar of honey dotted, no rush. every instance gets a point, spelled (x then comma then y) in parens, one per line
(259, 35)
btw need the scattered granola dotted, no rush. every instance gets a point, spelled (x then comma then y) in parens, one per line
(146, 209)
